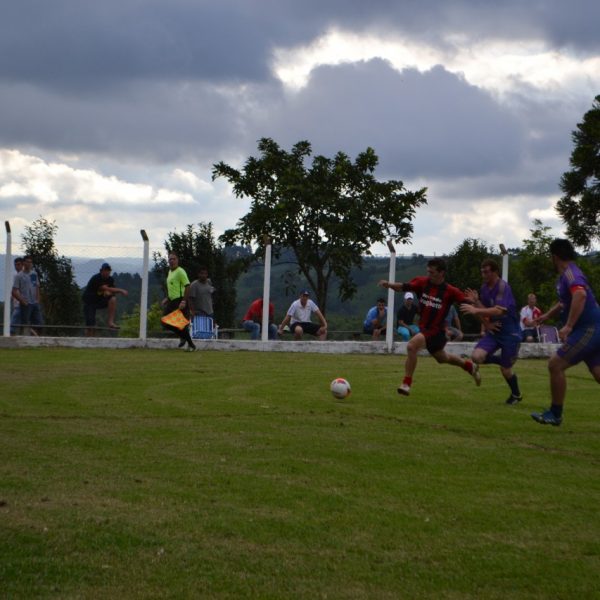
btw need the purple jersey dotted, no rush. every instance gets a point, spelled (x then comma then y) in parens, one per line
(573, 276)
(501, 295)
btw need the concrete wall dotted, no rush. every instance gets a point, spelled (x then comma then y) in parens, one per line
(526, 351)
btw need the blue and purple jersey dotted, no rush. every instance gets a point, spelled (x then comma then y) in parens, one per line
(573, 277)
(501, 295)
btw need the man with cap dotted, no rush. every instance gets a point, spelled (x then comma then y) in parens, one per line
(298, 316)
(405, 318)
(99, 293)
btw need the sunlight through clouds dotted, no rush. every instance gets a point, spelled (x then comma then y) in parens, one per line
(496, 65)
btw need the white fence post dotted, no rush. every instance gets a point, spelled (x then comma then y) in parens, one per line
(504, 253)
(389, 328)
(264, 332)
(144, 294)
(8, 269)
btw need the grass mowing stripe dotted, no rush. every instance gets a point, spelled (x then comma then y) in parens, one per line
(141, 473)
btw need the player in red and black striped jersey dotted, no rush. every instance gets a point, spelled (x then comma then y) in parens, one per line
(436, 296)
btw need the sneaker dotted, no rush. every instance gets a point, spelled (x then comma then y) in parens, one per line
(191, 349)
(476, 375)
(404, 389)
(512, 399)
(547, 418)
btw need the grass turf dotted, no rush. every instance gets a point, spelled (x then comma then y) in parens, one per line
(162, 474)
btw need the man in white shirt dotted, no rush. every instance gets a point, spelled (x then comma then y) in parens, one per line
(527, 320)
(298, 316)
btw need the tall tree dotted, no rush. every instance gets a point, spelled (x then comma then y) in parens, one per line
(464, 271)
(196, 247)
(329, 213)
(464, 263)
(60, 294)
(580, 205)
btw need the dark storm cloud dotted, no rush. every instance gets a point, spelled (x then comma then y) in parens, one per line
(432, 123)
(152, 121)
(86, 46)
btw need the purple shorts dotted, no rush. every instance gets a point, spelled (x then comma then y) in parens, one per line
(508, 345)
(582, 345)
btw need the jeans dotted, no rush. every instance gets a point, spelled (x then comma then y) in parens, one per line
(407, 332)
(254, 329)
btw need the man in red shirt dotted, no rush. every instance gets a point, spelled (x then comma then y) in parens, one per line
(435, 299)
(253, 319)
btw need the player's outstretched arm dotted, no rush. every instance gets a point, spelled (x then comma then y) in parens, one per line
(389, 285)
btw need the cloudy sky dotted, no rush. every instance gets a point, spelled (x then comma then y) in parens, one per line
(112, 113)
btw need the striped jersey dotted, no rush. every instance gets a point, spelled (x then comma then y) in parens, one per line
(435, 302)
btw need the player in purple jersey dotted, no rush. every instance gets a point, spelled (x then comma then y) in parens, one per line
(496, 308)
(580, 333)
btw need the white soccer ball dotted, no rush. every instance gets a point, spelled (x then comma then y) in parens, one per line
(340, 388)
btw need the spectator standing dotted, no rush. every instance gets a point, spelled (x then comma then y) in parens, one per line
(15, 317)
(36, 317)
(27, 295)
(252, 320)
(178, 287)
(200, 295)
(407, 328)
(299, 315)
(376, 320)
(527, 320)
(100, 293)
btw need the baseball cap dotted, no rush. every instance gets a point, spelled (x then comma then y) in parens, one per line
(105, 266)
(305, 293)
(409, 295)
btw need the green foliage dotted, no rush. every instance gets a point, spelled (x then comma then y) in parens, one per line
(59, 293)
(580, 205)
(328, 214)
(531, 269)
(130, 323)
(196, 247)
(464, 263)
(157, 474)
(464, 271)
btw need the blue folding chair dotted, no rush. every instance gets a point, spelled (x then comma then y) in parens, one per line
(203, 328)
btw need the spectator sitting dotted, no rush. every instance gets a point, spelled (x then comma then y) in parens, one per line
(100, 293)
(298, 316)
(253, 319)
(406, 327)
(454, 331)
(527, 320)
(376, 320)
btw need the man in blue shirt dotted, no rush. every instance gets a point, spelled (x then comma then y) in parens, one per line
(496, 308)
(376, 320)
(580, 333)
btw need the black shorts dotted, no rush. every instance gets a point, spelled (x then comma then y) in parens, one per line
(90, 308)
(436, 342)
(310, 328)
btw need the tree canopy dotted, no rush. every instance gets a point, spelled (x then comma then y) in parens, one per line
(329, 213)
(60, 294)
(196, 246)
(580, 205)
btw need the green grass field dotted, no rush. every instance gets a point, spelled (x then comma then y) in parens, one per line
(162, 474)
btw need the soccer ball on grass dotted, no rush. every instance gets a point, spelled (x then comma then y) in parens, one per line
(340, 388)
